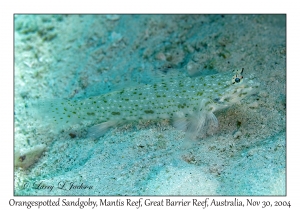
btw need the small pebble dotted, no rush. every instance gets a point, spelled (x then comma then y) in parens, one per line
(254, 104)
(263, 94)
(113, 17)
(237, 134)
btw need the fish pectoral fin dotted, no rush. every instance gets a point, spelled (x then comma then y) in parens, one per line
(180, 123)
(197, 125)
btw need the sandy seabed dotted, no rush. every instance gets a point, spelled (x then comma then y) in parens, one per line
(69, 56)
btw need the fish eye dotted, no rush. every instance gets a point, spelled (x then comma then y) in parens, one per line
(237, 80)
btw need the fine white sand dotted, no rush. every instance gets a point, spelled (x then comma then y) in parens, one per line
(59, 56)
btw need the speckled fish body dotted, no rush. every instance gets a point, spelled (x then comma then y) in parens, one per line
(188, 102)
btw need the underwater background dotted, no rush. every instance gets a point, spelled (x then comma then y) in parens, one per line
(79, 56)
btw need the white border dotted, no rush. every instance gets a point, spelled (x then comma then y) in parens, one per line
(8, 8)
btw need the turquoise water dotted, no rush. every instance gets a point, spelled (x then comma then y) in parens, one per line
(79, 56)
